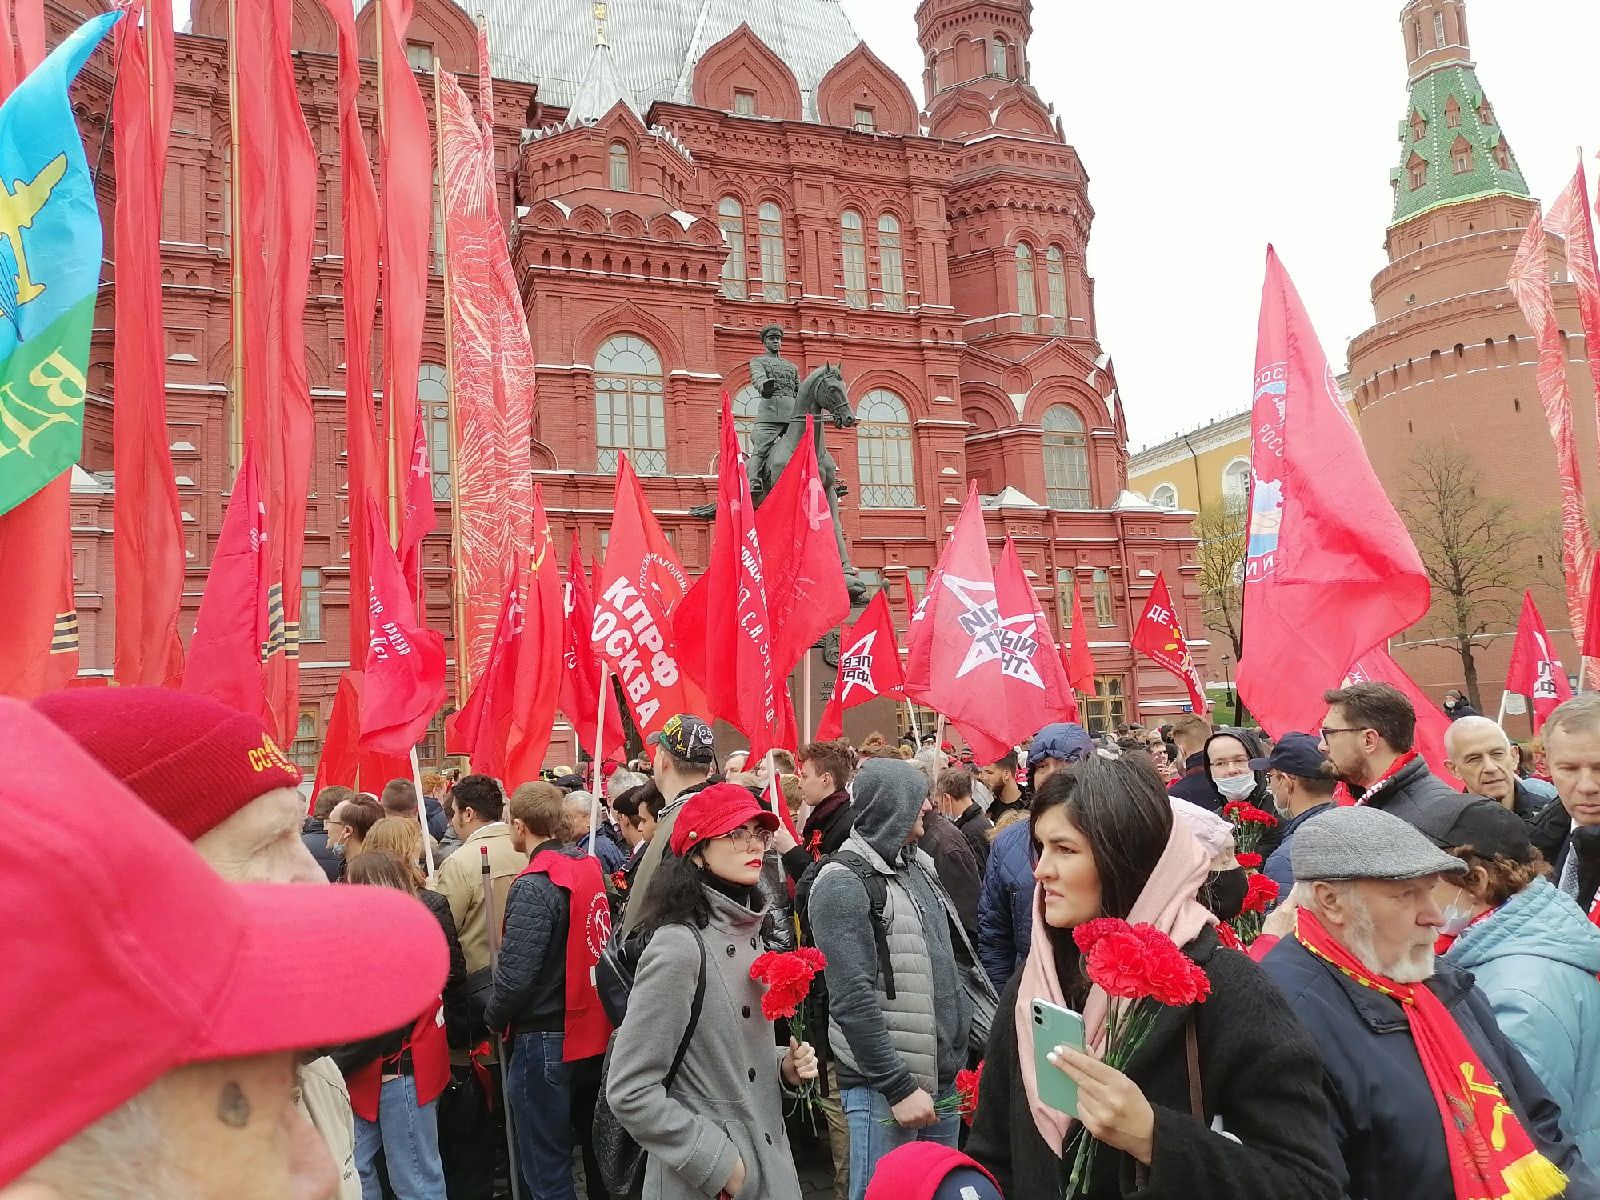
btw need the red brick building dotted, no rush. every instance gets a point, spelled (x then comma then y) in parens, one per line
(1450, 358)
(697, 171)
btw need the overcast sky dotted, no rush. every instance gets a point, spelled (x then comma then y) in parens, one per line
(1209, 130)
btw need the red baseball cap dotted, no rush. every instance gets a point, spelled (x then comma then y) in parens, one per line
(929, 1171)
(714, 811)
(127, 956)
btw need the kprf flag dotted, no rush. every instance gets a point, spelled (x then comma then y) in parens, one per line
(538, 685)
(1159, 636)
(723, 628)
(1529, 282)
(869, 666)
(580, 668)
(1375, 666)
(641, 582)
(1330, 570)
(961, 647)
(482, 728)
(1536, 670)
(231, 628)
(405, 664)
(1037, 691)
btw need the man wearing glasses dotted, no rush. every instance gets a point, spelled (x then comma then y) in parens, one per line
(1369, 736)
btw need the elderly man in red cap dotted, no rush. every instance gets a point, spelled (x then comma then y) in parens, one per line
(214, 775)
(153, 1014)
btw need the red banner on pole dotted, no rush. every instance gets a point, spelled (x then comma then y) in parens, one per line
(1080, 661)
(1375, 666)
(343, 761)
(1037, 691)
(538, 684)
(869, 666)
(580, 674)
(1536, 671)
(482, 728)
(1159, 636)
(405, 665)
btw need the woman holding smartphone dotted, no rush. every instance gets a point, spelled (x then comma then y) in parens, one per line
(1252, 1126)
(718, 1130)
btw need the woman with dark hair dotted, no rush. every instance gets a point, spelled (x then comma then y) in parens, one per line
(396, 1083)
(1109, 845)
(718, 1128)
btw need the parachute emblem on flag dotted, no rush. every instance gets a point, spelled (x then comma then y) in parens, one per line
(993, 637)
(855, 667)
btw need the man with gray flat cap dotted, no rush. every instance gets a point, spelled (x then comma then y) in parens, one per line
(1429, 1099)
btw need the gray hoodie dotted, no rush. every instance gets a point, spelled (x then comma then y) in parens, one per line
(918, 1039)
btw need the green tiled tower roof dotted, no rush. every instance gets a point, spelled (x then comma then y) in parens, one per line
(1428, 139)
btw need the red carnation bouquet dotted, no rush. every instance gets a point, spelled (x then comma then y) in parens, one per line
(788, 977)
(967, 1084)
(1250, 824)
(1261, 892)
(1141, 970)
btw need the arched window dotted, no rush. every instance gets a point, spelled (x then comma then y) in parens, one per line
(773, 272)
(1066, 458)
(619, 168)
(1438, 29)
(629, 405)
(745, 402)
(1165, 496)
(1236, 481)
(730, 215)
(1418, 167)
(1461, 156)
(433, 394)
(1055, 270)
(854, 255)
(891, 263)
(883, 451)
(997, 57)
(1027, 296)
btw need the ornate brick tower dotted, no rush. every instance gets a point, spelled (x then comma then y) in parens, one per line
(1450, 359)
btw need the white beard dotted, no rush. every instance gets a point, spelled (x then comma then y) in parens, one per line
(1411, 967)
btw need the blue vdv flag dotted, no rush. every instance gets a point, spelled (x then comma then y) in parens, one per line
(50, 241)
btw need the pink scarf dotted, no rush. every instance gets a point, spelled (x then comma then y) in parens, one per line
(1167, 902)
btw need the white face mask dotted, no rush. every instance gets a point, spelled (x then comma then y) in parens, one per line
(1457, 916)
(1236, 787)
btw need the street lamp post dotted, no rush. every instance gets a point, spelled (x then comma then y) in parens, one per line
(1227, 682)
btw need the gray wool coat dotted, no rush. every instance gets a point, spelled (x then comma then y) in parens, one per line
(727, 1102)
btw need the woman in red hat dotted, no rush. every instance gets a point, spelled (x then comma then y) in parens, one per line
(719, 1126)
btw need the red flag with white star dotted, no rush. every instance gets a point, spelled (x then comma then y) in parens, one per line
(869, 666)
(1037, 690)
(1159, 636)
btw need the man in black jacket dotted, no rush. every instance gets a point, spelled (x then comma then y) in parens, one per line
(314, 830)
(1369, 735)
(1568, 833)
(530, 998)
(1366, 928)
(1482, 757)
(953, 797)
(824, 773)
(1000, 777)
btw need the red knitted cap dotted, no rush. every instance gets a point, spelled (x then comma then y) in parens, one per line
(192, 759)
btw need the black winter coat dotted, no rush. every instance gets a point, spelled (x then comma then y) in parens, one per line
(530, 980)
(1385, 1122)
(978, 829)
(1552, 835)
(1414, 790)
(1195, 785)
(314, 833)
(956, 866)
(1259, 1073)
(833, 819)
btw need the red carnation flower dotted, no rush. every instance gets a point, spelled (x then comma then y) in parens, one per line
(967, 1085)
(1228, 937)
(1116, 965)
(1249, 860)
(1261, 891)
(788, 978)
(1090, 932)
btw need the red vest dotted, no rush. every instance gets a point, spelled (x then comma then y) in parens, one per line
(588, 928)
(430, 1066)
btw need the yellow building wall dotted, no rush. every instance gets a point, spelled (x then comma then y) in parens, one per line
(1196, 479)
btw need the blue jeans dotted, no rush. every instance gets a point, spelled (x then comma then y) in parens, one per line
(409, 1138)
(873, 1133)
(540, 1087)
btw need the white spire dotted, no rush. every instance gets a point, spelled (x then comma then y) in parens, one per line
(601, 86)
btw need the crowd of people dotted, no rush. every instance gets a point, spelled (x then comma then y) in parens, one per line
(526, 986)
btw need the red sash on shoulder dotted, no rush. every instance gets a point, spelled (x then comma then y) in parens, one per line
(588, 928)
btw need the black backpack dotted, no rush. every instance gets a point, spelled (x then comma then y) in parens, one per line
(877, 898)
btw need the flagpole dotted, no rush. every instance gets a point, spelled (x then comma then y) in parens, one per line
(1500, 718)
(235, 242)
(422, 818)
(939, 736)
(916, 726)
(458, 586)
(392, 463)
(805, 686)
(599, 739)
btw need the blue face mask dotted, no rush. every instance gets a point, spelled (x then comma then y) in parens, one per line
(1457, 916)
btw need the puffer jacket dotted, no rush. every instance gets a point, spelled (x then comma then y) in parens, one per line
(1535, 958)
(1414, 790)
(1005, 913)
(530, 980)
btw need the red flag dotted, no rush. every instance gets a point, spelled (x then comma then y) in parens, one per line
(278, 195)
(1529, 282)
(342, 761)
(147, 535)
(1080, 662)
(39, 636)
(869, 665)
(1571, 220)
(482, 728)
(640, 584)
(780, 804)
(580, 674)
(1037, 691)
(1159, 635)
(723, 628)
(405, 659)
(958, 643)
(1330, 570)
(358, 209)
(1591, 628)
(405, 167)
(1536, 671)
(538, 683)
(1375, 666)
(802, 567)
(231, 628)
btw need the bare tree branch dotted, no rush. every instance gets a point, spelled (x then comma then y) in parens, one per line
(1221, 528)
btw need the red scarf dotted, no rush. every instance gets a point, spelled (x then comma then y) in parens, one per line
(588, 927)
(1491, 1155)
(1395, 768)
